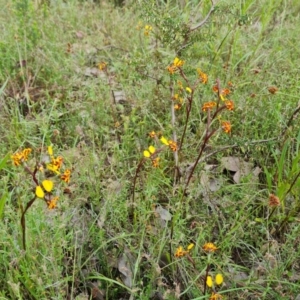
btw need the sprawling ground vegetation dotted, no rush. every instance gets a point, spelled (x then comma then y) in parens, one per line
(149, 149)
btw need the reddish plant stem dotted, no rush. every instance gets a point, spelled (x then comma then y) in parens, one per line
(205, 279)
(23, 222)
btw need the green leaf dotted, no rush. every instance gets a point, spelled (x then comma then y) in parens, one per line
(3, 161)
(2, 203)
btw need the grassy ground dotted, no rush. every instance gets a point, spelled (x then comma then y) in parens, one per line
(91, 80)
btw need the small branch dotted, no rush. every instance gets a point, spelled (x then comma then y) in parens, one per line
(200, 24)
(296, 111)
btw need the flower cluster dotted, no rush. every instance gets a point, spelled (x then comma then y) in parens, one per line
(273, 200)
(180, 95)
(44, 188)
(218, 280)
(177, 64)
(152, 153)
(20, 157)
(228, 104)
(147, 30)
(180, 251)
(209, 247)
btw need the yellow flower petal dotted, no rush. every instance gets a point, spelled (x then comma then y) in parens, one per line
(209, 281)
(50, 150)
(190, 246)
(39, 192)
(189, 90)
(151, 149)
(219, 279)
(164, 140)
(48, 185)
(147, 153)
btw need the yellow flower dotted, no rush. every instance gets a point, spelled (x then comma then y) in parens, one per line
(189, 90)
(178, 62)
(181, 252)
(149, 152)
(190, 246)
(209, 247)
(209, 281)
(55, 164)
(39, 192)
(50, 150)
(147, 29)
(47, 185)
(219, 279)
(164, 140)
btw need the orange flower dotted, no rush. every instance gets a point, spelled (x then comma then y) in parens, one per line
(226, 126)
(177, 106)
(20, 157)
(155, 162)
(273, 200)
(171, 69)
(102, 65)
(52, 203)
(152, 134)
(181, 252)
(172, 145)
(229, 104)
(175, 97)
(209, 247)
(66, 176)
(208, 105)
(225, 92)
(215, 296)
(273, 89)
(215, 88)
(202, 76)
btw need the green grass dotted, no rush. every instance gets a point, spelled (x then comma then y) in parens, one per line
(100, 242)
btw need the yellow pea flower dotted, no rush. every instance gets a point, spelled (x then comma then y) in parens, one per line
(47, 185)
(149, 152)
(39, 192)
(219, 279)
(209, 281)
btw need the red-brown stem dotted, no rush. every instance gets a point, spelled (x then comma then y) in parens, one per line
(270, 215)
(23, 222)
(134, 182)
(207, 137)
(188, 111)
(294, 210)
(205, 279)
